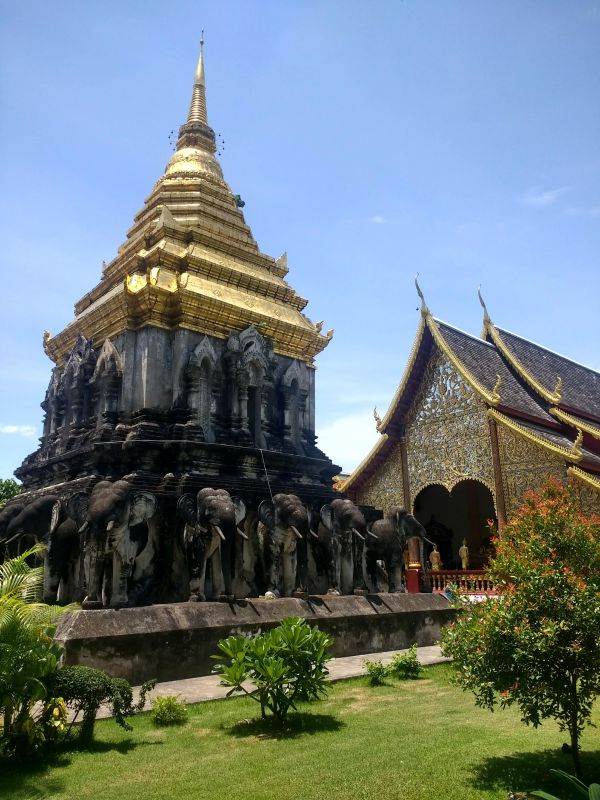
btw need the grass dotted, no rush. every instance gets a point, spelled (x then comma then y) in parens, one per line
(419, 740)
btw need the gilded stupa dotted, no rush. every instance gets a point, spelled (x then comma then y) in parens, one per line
(191, 358)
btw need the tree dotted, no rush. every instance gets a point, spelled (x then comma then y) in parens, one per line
(537, 644)
(8, 488)
(28, 654)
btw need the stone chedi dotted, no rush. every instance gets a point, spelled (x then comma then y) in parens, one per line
(178, 454)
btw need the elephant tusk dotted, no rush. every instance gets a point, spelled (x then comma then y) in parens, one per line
(359, 534)
(314, 535)
(242, 533)
(373, 535)
(296, 531)
(110, 525)
(220, 532)
(84, 527)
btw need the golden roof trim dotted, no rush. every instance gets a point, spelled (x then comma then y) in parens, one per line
(491, 397)
(585, 477)
(576, 422)
(381, 426)
(549, 396)
(572, 454)
(343, 486)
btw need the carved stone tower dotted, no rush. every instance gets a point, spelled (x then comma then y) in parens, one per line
(191, 357)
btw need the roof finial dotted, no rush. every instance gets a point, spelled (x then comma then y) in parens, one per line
(486, 316)
(424, 309)
(197, 111)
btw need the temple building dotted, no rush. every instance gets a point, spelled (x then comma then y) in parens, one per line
(191, 355)
(474, 423)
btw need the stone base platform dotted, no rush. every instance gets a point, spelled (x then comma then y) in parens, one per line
(175, 641)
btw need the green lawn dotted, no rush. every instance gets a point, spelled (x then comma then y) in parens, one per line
(420, 740)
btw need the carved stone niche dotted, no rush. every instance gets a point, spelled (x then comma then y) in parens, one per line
(202, 387)
(106, 383)
(294, 390)
(249, 365)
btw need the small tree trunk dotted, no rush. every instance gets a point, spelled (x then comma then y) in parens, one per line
(7, 719)
(573, 729)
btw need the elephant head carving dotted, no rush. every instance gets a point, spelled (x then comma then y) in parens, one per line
(284, 548)
(31, 524)
(113, 514)
(211, 530)
(7, 514)
(348, 531)
(63, 578)
(393, 532)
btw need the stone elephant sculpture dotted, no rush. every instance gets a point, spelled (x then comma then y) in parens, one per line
(393, 532)
(286, 524)
(348, 530)
(30, 525)
(63, 576)
(7, 514)
(210, 532)
(114, 542)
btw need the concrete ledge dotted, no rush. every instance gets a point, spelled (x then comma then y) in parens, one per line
(176, 640)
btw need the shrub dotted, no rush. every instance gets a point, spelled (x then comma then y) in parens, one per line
(537, 645)
(376, 672)
(406, 666)
(28, 656)
(286, 664)
(85, 689)
(168, 710)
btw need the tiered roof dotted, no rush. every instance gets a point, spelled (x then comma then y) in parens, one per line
(538, 394)
(190, 261)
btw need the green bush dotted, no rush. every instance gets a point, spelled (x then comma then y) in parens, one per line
(28, 656)
(168, 710)
(406, 666)
(376, 672)
(85, 689)
(285, 665)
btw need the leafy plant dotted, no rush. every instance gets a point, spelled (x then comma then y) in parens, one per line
(576, 788)
(285, 665)
(537, 645)
(168, 710)
(28, 654)
(85, 689)
(406, 666)
(376, 672)
(8, 489)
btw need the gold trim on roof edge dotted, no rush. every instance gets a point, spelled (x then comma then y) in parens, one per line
(342, 486)
(572, 454)
(576, 422)
(491, 397)
(381, 426)
(585, 477)
(549, 396)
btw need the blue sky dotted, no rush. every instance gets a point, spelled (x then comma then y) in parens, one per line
(460, 140)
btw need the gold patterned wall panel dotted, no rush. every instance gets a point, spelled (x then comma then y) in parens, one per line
(589, 498)
(524, 466)
(385, 487)
(447, 433)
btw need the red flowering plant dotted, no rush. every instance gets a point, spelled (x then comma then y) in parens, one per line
(538, 643)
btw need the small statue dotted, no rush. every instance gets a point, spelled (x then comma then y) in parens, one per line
(435, 559)
(463, 554)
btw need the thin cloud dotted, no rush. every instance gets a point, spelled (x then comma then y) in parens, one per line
(19, 430)
(537, 198)
(379, 220)
(593, 212)
(348, 439)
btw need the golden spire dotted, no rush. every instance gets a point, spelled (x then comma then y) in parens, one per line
(424, 309)
(197, 111)
(486, 316)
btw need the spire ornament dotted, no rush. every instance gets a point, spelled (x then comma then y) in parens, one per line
(424, 308)
(486, 316)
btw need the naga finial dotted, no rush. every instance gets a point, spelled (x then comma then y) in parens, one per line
(558, 387)
(424, 309)
(377, 418)
(579, 440)
(45, 340)
(486, 316)
(497, 385)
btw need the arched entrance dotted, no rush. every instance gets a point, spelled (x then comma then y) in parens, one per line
(450, 517)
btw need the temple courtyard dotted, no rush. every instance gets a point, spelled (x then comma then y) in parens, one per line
(421, 739)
